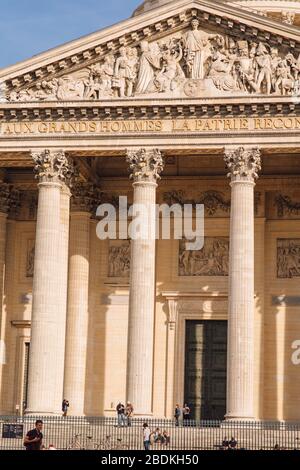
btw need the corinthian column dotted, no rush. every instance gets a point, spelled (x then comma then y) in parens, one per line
(243, 165)
(83, 201)
(48, 324)
(145, 166)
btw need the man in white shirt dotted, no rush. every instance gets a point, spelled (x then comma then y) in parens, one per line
(146, 433)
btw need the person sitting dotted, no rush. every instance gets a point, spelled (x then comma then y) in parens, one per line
(225, 444)
(232, 444)
(158, 437)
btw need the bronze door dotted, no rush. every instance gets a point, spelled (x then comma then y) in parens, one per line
(205, 368)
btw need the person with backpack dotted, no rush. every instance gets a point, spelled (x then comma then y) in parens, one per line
(34, 437)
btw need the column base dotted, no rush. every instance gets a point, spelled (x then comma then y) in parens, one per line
(42, 413)
(238, 418)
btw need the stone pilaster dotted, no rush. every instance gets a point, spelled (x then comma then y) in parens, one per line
(243, 165)
(145, 166)
(171, 340)
(48, 324)
(83, 203)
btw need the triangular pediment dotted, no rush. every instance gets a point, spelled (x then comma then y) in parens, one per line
(184, 49)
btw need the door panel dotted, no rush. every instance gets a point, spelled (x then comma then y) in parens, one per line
(205, 368)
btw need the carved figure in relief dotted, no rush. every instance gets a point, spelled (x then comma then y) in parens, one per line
(197, 50)
(70, 89)
(30, 262)
(126, 71)
(288, 258)
(119, 260)
(288, 17)
(102, 75)
(294, 65)
(220, 72)
(263, 60)
(246, 67)
(284, 80)
(212, 260)
(171, 72)
(150, 64)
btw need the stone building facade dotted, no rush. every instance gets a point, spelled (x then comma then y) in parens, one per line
(186, 102)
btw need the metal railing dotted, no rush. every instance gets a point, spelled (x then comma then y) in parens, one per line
(96, 433)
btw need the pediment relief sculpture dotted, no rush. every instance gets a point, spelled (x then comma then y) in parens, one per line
(193, 62)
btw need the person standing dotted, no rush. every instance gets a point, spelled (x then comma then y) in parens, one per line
(146, 435)
(186, 414)
(121, 414)
(65, 405)
(177, 415)
(34, 438)
(129, 413)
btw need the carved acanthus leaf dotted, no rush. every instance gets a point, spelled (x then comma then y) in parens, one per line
(9, 199)
(85, 197)
(53, 166)
(145, 165)
(243, 163)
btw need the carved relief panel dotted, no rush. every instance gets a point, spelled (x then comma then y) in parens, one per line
(216, 203)
(193, 62)
(212, 260)
(119, 258)
(288, 258)
(283, 205)
(30, 258)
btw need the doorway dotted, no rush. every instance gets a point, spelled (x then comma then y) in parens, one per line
(205, 368)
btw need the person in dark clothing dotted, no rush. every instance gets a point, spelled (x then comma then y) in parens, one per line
(33, 439)
(225, 444)
(177, 415)
(65, 406)
(121, 414)
(232, 444)
(186, 412)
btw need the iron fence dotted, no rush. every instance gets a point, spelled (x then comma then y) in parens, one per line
(96, 433)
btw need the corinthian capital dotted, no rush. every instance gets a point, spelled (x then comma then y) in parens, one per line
(145, 165)
(85, 197)
(53, 166)
(243, 163)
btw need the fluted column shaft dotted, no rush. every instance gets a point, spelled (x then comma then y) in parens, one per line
(47, 346)
(9, 204)
(243, 165)
(3, 226)
(146, 166)
(78, 301)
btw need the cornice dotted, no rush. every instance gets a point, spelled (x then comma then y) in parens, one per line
(88, 50)
(150, 109)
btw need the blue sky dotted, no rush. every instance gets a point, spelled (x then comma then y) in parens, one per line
(28, 27)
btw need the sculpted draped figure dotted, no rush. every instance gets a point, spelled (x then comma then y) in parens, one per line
(197, 50)
(150, 62)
